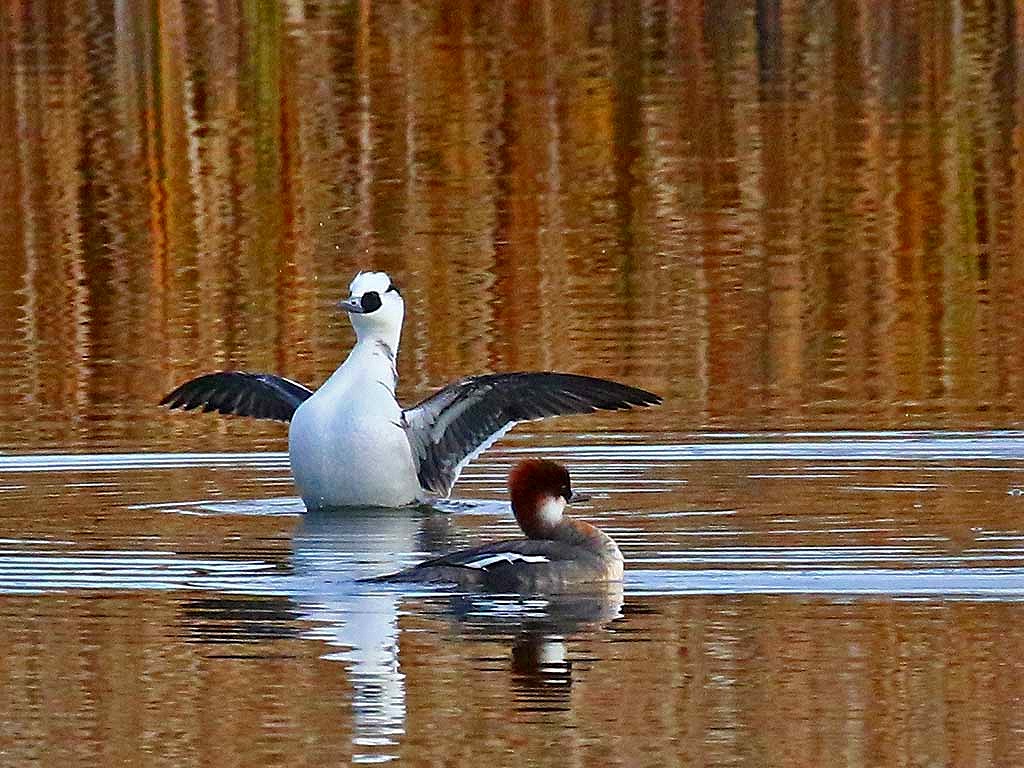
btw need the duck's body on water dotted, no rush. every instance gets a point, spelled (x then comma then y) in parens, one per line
(559, 554)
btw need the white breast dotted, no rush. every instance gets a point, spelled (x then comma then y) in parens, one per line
(346, 443)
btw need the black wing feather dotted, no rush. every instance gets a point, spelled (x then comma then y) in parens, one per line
(260, 395)
(451, 426)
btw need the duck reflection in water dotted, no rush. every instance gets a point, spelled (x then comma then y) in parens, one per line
(539, 631)
(329, 550)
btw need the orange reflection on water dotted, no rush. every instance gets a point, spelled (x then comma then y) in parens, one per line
(779, 219)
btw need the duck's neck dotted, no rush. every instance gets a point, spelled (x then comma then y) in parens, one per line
(373, 358)
(581, 534)
(388, 335)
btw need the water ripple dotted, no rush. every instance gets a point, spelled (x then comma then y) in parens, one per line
(816, 446)
(994, 583)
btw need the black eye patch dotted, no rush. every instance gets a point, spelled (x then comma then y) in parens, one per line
(370, 302)
(394, 288)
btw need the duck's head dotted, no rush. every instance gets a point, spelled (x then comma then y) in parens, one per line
(540, 489)
(375, 308)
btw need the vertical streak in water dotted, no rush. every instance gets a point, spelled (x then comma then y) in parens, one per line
(289, 332)
(11, 211)
(686, 35)
(748, 257)
(627, 130)
(414, 214)
(960, 210)
(852, 210)
(768, 25)
(21, 181)
(202, 207)
(363, 63)
(1001, 281)
(82, 204)
(268, 271)
(1013, 311)
(12, 215)
(786, 288)
(151, 138)
(503, 225)
(552, 221)
(883, 171)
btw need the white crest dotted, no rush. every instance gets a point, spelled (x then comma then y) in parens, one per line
(369, 281)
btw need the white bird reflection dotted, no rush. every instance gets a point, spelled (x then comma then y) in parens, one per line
(330, 553)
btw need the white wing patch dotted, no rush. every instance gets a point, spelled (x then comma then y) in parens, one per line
(508, 557)
(480, 449)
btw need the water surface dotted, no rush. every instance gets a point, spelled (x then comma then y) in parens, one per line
(798, 222)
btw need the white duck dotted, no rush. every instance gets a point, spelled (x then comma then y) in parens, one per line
(352, 444)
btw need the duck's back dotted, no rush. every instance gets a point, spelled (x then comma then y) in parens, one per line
(520, 565)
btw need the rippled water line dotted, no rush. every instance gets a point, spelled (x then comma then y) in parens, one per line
(924, 447)
(128, 461)
(282, 505)
(910, 487)
(830, 573)
(827, 564)
(930, 449)
(824, 475)
(794, 554)
(994, 583)
(691, 513)
(21, 573)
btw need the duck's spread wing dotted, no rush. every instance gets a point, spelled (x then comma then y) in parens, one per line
(452, 427)
(260, 395)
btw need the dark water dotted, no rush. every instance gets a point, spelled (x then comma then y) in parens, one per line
(800, 223)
